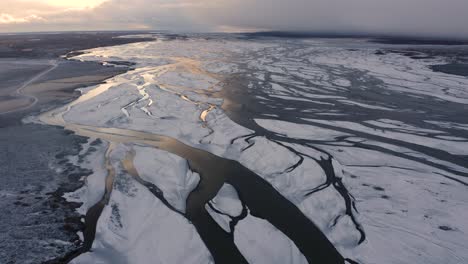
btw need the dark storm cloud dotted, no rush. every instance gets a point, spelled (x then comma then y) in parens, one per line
(441, 18)
(412, 17)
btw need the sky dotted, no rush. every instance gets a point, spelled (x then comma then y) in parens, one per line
(432, 18)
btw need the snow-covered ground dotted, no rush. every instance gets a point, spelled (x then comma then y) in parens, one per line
(370, 147)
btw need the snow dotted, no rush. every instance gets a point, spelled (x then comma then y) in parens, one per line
(398, 72)
(453, 147)
(366, 105)
(272, 161)
(257, 240)
(449, 125)
(93, 190)
(411, 210)
(294, 130)
(227, 201)
(262, 243)
(136, 227)
(167, 171)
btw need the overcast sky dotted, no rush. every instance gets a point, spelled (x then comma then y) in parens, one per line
(440, 18)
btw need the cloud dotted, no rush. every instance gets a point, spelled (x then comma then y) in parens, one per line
(409, 17)
(9, 19)
(442, 18)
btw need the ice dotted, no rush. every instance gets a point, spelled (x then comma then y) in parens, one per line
(366, 105)
(294, 130)
(267, 158)
(301, 99)
(262, 243)
(227, 201)
(257, 240)
(449, 125)
(93, 189)
(168, 172)
(184, 79)
(274, 163)
(398, 125)
(342, 82)
(405, 200)
(398, 72)
(136, 227)
(456, 148)
(224, 130)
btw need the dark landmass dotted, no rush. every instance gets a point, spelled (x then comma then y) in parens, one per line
(37, 225)
(51, 45)
(304, 34)
(418, 41)
(300, 35)
(381, 39)
(56, 87)
(24, 56)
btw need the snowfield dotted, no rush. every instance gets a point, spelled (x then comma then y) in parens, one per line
(372, 148)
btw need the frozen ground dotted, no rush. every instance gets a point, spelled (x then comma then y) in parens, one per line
(371, 146)
(36, 224)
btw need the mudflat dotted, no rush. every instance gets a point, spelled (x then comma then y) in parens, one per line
(35, 75)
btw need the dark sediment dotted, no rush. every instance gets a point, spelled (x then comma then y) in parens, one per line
(39, 45)
(37, 225)
(35, 217)
(419, 41)
(55, 88)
